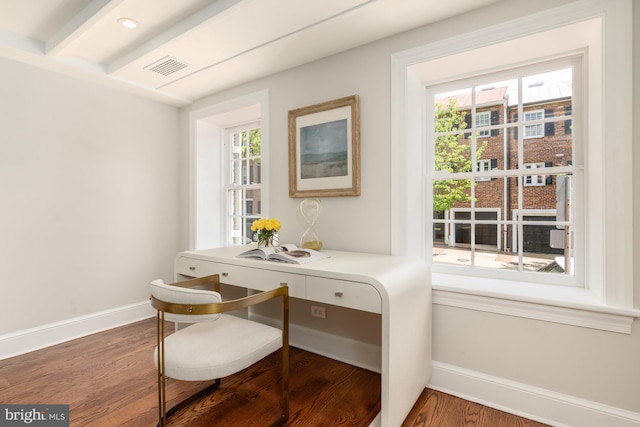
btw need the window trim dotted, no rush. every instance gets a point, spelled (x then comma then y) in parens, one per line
(206, 138)
(609, 308)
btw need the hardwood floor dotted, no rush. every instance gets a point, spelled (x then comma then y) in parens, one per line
(439, 409)
(108, 379)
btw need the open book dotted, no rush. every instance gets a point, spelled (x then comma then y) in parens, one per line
(286, 253)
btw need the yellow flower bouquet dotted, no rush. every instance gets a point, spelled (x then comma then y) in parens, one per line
(267, 229)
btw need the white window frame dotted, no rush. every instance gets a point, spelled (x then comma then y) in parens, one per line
(483, 132)
(535, 130)
(607, 302)
(483, 166)
(208, 164)
(228, 185)
(534, 180)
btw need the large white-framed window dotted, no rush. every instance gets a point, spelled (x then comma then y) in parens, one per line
(228, 170)
(451, 149)
(602, 298)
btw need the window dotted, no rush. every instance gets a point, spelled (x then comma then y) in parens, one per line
(535, 130)
(229, 145)
(484, 166)
(452, 148)
(243, 189)
(534, 180)
(598, 291)
(483, 119)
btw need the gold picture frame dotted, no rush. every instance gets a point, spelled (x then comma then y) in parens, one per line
(324, 149)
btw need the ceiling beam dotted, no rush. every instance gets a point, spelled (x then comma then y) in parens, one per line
(79, 25)
(174, 33)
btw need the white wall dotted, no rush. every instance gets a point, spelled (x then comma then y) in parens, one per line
(598, 366)
(88, 196)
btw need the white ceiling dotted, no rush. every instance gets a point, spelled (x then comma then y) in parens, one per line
(209, 45)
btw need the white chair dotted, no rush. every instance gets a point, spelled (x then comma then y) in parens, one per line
(216, 345)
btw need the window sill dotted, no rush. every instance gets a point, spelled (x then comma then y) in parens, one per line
(565, 305)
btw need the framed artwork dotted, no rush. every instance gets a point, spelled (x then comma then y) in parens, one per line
(324, 149)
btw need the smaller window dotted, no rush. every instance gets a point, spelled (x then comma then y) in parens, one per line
(244, 188)
(484, 166)
(534, 180)
(535, 130)
(483, 120)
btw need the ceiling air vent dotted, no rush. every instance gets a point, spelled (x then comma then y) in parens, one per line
(167, 66)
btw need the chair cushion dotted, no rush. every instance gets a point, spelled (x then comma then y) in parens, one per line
(210, 350)
(178, 295)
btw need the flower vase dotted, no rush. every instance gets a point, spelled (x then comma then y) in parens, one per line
(267, 238)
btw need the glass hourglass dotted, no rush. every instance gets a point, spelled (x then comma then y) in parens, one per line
(310, 210)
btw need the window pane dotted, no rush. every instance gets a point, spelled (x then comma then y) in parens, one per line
(543, 197)
(451, 193)
(538, 253)
(236, 202)
(255, 140)
(253, 203)
(236, 146)
(245, 172)
(453, 153)
(236, 172)
(496, 97)
(254, 172)
(452, 255)
(508, 140)
(541, 87)
(492, 149)
(440, 233)
(452, 110)
(490, 194)
(244, 208)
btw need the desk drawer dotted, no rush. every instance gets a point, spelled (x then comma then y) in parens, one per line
(357, 295)
(246, 277)
(195, 267)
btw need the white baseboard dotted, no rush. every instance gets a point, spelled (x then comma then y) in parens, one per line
(531, 402)
(356, 353)
(27, 340)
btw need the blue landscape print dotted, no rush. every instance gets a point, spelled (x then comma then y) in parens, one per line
(324, 150)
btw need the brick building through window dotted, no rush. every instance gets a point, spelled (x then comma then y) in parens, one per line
(546, 142)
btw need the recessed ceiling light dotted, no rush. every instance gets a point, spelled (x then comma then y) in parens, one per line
(128, 23)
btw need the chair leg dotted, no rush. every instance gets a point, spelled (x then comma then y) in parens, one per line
(162, 401)
(285, 382)
(285, 358)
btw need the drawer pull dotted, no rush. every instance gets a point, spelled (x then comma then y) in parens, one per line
(339, 294)
(192, 268)
(225, 274)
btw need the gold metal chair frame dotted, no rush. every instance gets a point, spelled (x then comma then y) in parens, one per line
(163, 307)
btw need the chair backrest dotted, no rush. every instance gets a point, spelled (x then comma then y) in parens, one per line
(178, 295)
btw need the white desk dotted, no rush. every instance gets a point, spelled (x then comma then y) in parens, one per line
(397, 288)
